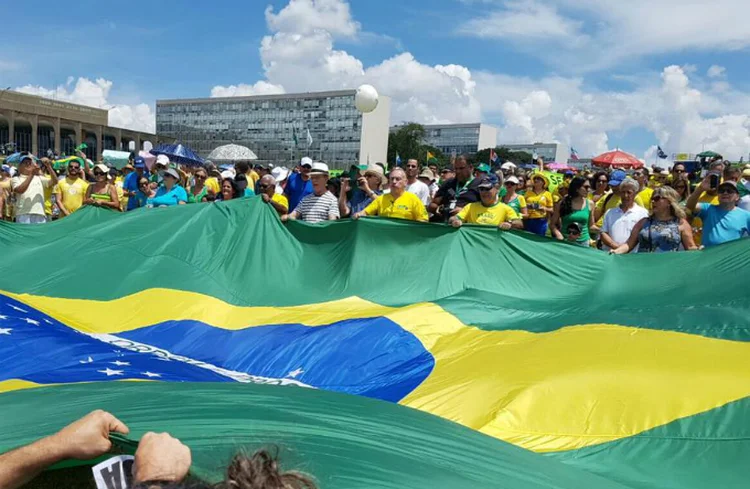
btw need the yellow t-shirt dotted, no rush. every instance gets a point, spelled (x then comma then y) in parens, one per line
(5, 192)
(213, 185)
(252, 179)
(645, 196)
(697, 222)
(478, 213)
(613, 202)
(535, 203)
(121, 193)
(407, 206)
(72, 193)
(281, 199)
(48, 200)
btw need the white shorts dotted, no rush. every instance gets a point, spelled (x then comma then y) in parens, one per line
(31, 219)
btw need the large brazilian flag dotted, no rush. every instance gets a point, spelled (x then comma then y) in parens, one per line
(382, 354)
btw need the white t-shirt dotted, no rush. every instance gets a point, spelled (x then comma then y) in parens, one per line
(32, 200)
(619, 224)
(420, 190)
(744, 203)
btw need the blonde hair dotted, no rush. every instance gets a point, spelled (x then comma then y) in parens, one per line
(673, 197)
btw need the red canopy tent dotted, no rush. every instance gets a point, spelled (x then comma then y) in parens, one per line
(617, 159)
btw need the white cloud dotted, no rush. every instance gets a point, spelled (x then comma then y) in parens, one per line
(615, 31)
(307, 16)
(300, 56)
(716, 71)
(242, 90)
(525, 20)
(95, 93)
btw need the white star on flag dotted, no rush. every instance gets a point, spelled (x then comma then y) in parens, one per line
(294, 373)
(18, 308)
(47, 321)
(109, 372)
(31, 321)
(150, 374)
(88, 360)
(3, 317)
(5, 330)
(120, 364)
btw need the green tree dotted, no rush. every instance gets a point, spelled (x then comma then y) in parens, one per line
(407, 141)
(503, 155)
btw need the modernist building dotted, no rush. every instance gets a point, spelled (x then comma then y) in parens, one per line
(459, 138)
(37, 124)
(276, 127)
(550, 152)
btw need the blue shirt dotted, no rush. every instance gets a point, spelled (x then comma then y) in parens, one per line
(720, 226)
(249, 192)
(360, 200)
(173, 197)
(296, 189)
(131, 185)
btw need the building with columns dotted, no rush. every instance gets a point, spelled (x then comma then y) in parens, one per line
(37, 124)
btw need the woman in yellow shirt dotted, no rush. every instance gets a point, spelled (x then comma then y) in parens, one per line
(398, 203)
(540, 204)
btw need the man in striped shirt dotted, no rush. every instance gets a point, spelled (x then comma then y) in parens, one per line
(321, 205)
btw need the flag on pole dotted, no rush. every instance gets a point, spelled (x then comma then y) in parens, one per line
(398, 160)
(573, 154)
(660, 153)
(493, 156)
(430, 157)
(309, 138)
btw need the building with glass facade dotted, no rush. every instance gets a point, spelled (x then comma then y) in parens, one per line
(459, 138)
(276, 127)
(549, 152)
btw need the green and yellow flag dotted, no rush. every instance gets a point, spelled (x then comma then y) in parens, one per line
(424, 356)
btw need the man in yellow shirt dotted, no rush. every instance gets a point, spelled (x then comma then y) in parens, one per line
(71, 191)
(252, 176)
(641, 176)
(398, 203)
(489, 211)
(612, 200)
(267, 189)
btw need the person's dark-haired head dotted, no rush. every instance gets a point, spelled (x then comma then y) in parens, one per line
(579, 187)
(259, 471)
(334, 186)
(601, 180)
(229, 189)
(241, 167)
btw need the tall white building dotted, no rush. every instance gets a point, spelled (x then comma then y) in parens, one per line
(459, 138)
(276, 127)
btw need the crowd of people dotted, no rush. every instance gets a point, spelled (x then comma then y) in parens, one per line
(644, 211)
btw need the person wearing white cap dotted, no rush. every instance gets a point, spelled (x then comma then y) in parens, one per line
(508, 168)
(514, 200)
(29, 189)
(170, 192)
(320, 205)
(298, 184)
(280, 174)
(101, 193)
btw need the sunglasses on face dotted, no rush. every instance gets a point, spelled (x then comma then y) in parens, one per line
(410, 166)
(201, 177)
(143, 184)
(679, 171)
(726, 190)
(74, 168)
(263, 186)
(509, 184)
(656, 198)
(602, 181)
(98, 174)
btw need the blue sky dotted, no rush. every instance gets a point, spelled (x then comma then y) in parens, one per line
(592, 74)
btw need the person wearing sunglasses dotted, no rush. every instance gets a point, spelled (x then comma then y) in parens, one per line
(267, 189)
(199, 190)
(170, 192)
(666, 229)
(678, 172)
(490, 210)
(723, 222)
(514, 200)
(130, 186)
(101, 193)
(641, 176)
(600, 185)
(575, 208)
(71, 190)
(682, 187)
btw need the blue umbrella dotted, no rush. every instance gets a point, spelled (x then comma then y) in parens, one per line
(178, 153)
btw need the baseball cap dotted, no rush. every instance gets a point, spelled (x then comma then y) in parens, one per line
(508, 165)
(512, 179)
(139, 162)
(279, 174)
(484, 167)
(229, 173)
(172, 172)
(730, 183)
(162, 160)
(102, 168)
(25, 157)
(319, 167)
(306, 161)
(616, 178)
(487, 183)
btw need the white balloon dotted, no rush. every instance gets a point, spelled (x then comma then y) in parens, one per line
(366, 98)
